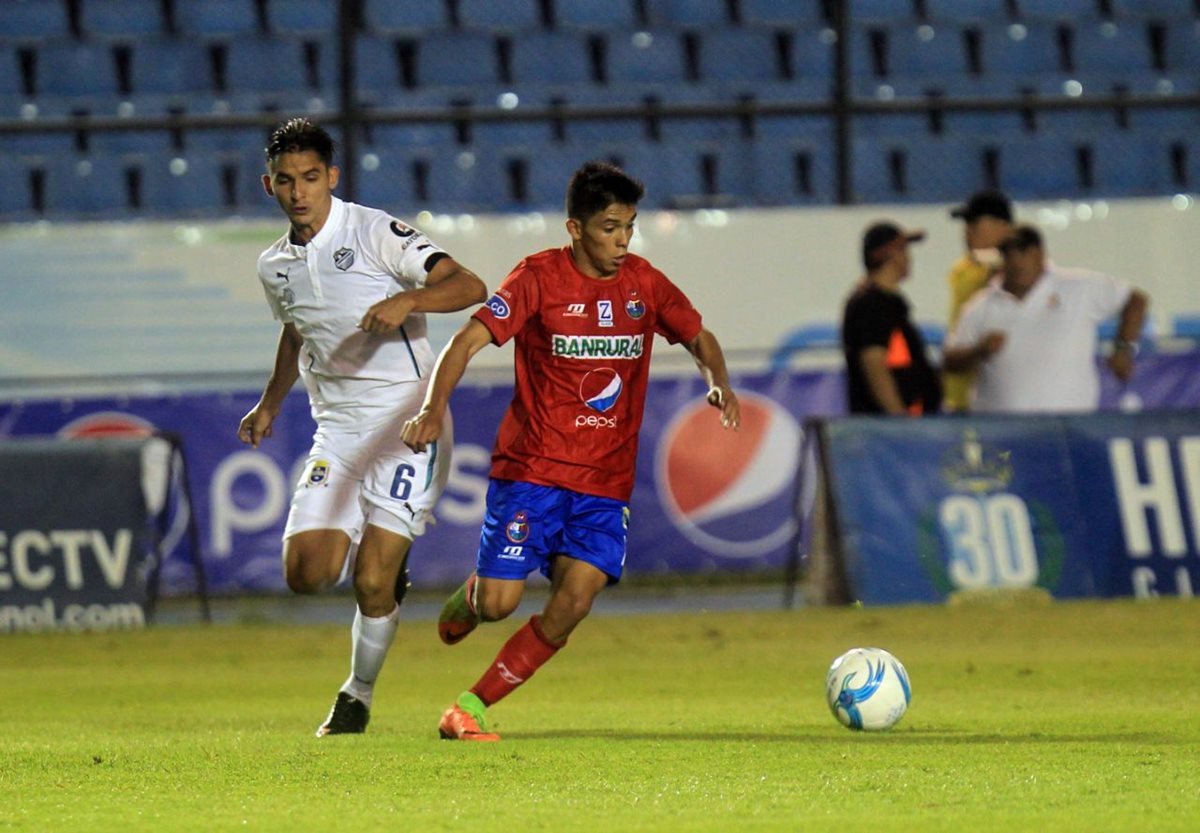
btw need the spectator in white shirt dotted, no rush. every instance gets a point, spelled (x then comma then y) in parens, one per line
(1031, 332)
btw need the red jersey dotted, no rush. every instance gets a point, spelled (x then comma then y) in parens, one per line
(582, 360)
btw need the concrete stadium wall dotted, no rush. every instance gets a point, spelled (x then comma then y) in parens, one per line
(157, 299)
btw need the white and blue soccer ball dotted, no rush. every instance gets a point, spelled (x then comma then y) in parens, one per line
(867, 689)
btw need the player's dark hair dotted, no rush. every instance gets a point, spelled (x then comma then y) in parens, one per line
(596, 186)
(297, 136)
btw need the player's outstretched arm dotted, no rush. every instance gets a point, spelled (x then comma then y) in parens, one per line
(425, 427)
(449, 287)
(706, 350)
(256, 425)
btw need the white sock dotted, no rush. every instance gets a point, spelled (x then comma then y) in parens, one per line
(371, 637)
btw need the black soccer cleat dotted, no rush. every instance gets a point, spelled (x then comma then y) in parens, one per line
(349, 716)
(402, 585)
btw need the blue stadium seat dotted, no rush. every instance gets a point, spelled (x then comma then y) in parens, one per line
(125, 142)
(79, 72)
(812, 56)
(670, 172)
(691, 13)
(377, 65)
(902, 125)
(303, 17)
(645, 57)
(1041, 167)
(492, 134)
(211, 18)
(791, 170)
(1066, 10)
(967, 11)
(1023, 53)
(16, 203)
(1183, 48)
(33, 20)
(462, 180)
(588, 14)
(85, 188)
(740, 57)
(233, 140)
(1128, 164)
(266, 68)
(457, 59)
(913, 169)
(121, 19)
(591, 132)
(10, 72)
(781, 12)
(167, 67)
(410, 136)
(499, 17)
(405, 17)
(925, 52)
(1186, 325)
(812, 336)
(1119, 52)
(703, 128)
(881, 11)
(183, 185)
(37, 145)
(389, 181)
(1169, 10)
(551, 60)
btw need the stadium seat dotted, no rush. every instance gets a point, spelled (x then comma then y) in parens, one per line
(910, 169)
(1022, 54)
(1186, 325)
(591, 132)
(457, 59)
(588, 14)
(186, 185)
(378, 65)
(1041, 168)
(387, 137)
(551, 60)
(1128, 164)
(1065, 10)
(791, 170)
(125, 142)
(267, 68)
(459, 180)
(303, 17)
(16, 203)
(812, 55)
(740, 57)
(645, 57)
(1116, 51)
(781, 12)
(121, 19)
(81, 73)
(390, 180)
(692, 13)
(85, 188)
(925, 52)
(1167, 10)
(670, 172)
(1183, 48)
(37, 145)
(967, 11)
(216, 18)
(405, 17)
(813, 336)
(881, 11)
(167, 67)
(33, 20)
(488, 15)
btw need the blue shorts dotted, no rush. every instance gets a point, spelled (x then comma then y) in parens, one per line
(527, 524)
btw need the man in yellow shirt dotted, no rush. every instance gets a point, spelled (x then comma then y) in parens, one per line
(988, 219)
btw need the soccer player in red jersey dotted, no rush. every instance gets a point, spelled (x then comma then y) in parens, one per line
(584, 319)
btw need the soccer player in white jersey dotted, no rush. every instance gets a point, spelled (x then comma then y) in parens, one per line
(351, 286)
(1031, 332)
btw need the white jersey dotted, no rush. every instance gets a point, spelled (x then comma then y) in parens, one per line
(360, 257)
(1048, 361)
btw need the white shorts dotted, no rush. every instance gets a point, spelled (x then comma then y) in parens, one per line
(354, 478)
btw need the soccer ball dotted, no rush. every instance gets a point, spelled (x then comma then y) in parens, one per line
(867, 688)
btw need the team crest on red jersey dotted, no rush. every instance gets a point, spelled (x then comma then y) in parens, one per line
(634, 307)
(517, 529)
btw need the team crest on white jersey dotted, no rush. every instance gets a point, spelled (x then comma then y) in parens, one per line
(343, 259)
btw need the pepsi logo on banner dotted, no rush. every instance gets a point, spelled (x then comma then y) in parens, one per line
(730, 492)
(600, 389)
(106, 424)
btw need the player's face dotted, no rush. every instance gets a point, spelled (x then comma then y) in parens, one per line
(600, 244)
(987, 232)
(1023, 265)
(303, 186)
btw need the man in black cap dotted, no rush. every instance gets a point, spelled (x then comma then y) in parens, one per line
(887, 369)
(988, 219)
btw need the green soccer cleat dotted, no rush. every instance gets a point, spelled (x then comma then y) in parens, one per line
(465, 721)
(457, 619)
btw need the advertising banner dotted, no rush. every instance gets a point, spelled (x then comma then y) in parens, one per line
(705, 499)
(1079, 506)
(75, 546)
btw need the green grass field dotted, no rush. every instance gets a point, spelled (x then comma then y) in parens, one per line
(1080, 716)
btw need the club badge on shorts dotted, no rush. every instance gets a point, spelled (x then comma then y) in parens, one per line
(318, 474)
